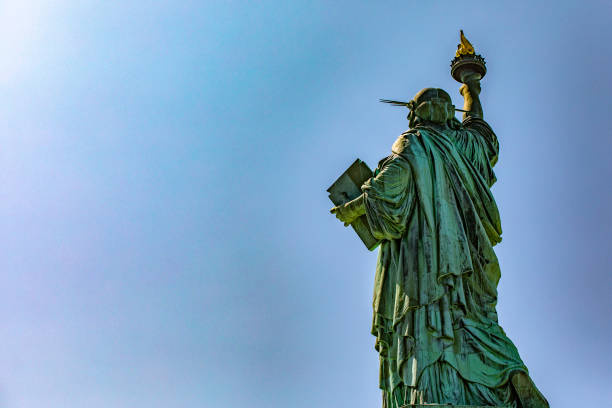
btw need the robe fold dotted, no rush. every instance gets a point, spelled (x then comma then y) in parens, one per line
(435, 288)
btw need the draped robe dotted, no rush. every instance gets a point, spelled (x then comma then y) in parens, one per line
(435, 287)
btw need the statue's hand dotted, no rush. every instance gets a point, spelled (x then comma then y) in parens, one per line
(471, 87)
(471, 101)
(349, 212)
(343, 214)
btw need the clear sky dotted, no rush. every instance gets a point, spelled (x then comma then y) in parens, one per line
(165, 236)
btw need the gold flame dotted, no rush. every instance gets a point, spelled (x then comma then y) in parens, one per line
(465, 47)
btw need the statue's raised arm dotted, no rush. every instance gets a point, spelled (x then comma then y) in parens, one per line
(469, 68)
(470, 90)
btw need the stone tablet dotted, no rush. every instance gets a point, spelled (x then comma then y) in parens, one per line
(348, 187)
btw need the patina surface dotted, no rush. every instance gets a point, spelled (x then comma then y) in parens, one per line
(430, 205)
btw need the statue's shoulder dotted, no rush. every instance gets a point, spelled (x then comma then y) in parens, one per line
(403, 142)
(476, 124)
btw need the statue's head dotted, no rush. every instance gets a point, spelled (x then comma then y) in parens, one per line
(431, 105)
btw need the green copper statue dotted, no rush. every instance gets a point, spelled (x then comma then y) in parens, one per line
(430, 206)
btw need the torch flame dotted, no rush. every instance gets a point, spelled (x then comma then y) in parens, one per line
(465, 47)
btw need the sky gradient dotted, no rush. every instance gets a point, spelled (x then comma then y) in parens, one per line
(165, 233)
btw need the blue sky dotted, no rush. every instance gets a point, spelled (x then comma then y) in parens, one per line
(165, 231)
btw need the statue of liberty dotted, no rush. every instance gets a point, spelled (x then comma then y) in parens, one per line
(430, 206)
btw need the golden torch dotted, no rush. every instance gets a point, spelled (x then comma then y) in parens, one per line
(467, 65)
